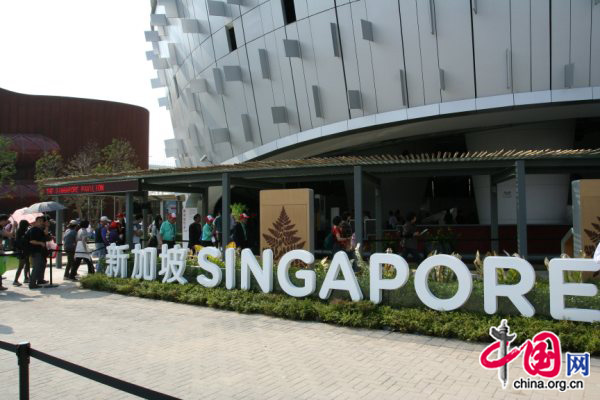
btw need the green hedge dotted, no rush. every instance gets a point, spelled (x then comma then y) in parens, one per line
(471, 326)
(406, 296)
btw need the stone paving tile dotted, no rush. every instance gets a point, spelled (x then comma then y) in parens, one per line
(195, 352)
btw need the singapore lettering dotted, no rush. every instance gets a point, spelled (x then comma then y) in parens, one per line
(173, 263)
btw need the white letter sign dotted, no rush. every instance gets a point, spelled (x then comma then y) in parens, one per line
(209, 266)
(463, 275)
(144, 263)
(559, 289)
(116, 261)
(263, 276)
(173, 264)
(377, 283)
(309, 276)
(515, 293)
(340, 262)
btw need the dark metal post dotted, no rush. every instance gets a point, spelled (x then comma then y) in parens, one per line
(23, 361)
(358, 204)
(179, 219)
(379, 219)
(494, 216)
(129, 219)
(145, 222)
(59, 235)
(225, 212)
(204, 211)
(521, 209)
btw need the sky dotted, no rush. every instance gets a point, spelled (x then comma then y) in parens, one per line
(83, 48)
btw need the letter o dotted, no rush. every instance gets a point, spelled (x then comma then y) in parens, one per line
(465, 282)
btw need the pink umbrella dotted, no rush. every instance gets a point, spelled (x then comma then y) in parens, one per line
(19, 215)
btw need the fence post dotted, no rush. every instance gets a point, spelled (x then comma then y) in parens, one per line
(23, 357)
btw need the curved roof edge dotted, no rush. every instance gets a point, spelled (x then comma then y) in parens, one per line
(11, 92)
(413, 114)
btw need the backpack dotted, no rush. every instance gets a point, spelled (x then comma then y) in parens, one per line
(112, 236)
(346, 230)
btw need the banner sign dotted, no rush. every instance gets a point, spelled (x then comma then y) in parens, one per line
(286, 220)
(173, 263)
(93, 188)
(586, 216)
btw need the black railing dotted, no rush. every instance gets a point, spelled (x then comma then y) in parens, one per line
(24, 353)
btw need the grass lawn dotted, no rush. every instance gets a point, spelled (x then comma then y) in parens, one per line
(11, 263)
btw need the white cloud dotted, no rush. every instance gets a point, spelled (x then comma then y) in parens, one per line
(83, 48)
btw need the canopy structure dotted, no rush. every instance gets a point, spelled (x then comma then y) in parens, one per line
(499, 165)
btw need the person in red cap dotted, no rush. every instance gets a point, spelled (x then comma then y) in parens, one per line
(120, 221)
(112, 235)
(208, 230)
(240, 231)
(168, 231)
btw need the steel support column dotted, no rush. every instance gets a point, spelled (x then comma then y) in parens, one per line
(521, 209)
(179, 219)
(59, 233)
(379, 219)
(358, 204)
(495, 246)
(145, 221)
(129, 219)
(225, 211)
(204, 211)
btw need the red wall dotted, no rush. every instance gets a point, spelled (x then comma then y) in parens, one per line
(70, 122)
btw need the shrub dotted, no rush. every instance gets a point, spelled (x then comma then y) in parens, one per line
(470, 326)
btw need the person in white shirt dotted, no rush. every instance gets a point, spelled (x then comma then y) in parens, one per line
(138, 230)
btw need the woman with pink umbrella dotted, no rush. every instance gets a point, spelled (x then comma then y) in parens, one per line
(19, 215)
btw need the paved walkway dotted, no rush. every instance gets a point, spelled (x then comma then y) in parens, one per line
(196, 353)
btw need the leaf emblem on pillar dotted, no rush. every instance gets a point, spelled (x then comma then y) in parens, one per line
(282, 236)
(594, 236)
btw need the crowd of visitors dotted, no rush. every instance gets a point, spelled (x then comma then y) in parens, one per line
(29, 241)
(342, 237)
(208, 231)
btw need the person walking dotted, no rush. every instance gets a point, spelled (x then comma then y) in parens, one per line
(218, 229)
(154, 231)
(138, 231)
(22, 253)
(4, 234)
(195, 233)
(69, 244)
(112, 233)
(82, 252)
(240, 232)
(37, 249)
(100, 242)
(168, 231)
(339, 241)
(208, 232)
(410, 235)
